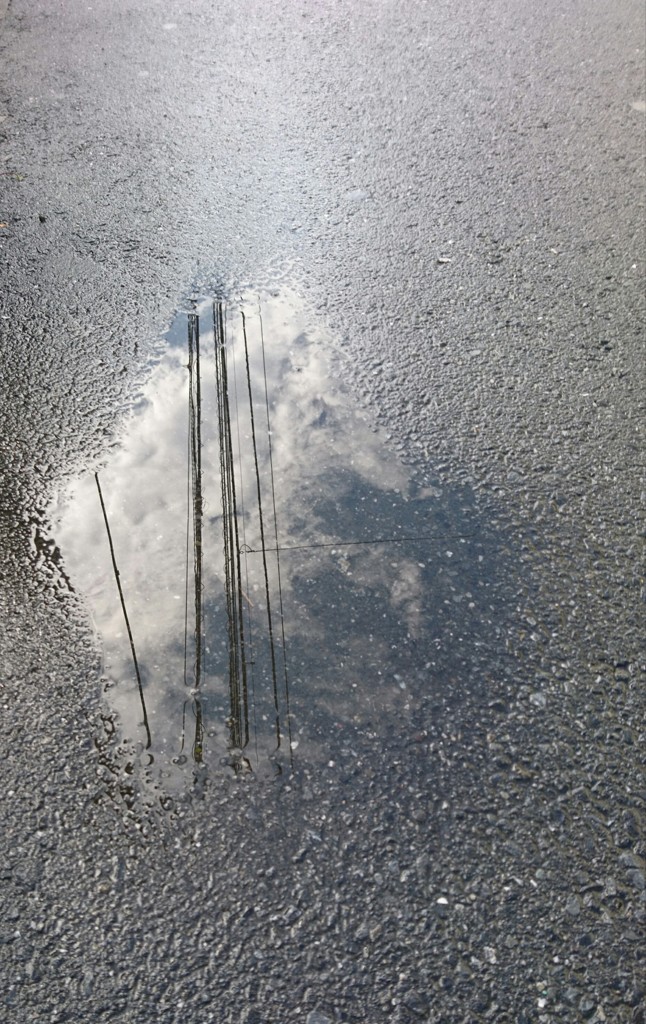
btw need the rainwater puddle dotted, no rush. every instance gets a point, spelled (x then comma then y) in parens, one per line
(269, 584)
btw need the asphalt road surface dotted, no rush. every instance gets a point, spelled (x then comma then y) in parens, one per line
(452, 196)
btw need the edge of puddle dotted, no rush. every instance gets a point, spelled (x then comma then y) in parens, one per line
(357, 683)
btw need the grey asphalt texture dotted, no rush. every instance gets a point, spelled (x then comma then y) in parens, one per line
(458, 192)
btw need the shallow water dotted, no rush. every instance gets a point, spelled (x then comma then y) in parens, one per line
(269, 584)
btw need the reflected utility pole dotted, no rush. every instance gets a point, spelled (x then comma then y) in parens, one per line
(238, 683)
(195, 447)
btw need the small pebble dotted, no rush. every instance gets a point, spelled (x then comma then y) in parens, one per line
(316, 1017)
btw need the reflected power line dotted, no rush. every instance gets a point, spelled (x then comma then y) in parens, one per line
(125, 613)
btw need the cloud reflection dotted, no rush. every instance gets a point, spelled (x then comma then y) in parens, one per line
(347, 591)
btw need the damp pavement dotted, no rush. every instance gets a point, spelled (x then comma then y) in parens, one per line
(438, 215)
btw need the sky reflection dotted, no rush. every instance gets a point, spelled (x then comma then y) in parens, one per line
(332, 583)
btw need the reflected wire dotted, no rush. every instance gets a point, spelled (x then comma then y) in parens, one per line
(125, 613)
(246, 560)
(262, 532)
(273, 500)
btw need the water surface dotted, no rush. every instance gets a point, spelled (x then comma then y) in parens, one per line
(270, 585)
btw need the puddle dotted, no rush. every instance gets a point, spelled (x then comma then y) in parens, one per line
(267, 580)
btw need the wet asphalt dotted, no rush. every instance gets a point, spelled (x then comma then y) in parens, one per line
(457, 194)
